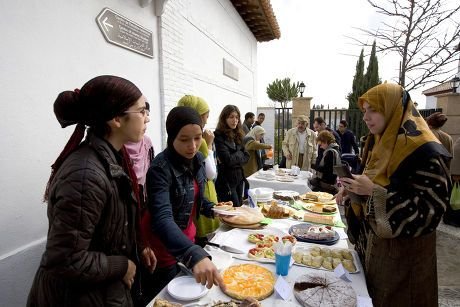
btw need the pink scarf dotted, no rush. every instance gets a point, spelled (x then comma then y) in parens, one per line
(139, 154)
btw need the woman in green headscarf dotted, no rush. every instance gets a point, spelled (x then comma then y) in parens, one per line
(204, 225)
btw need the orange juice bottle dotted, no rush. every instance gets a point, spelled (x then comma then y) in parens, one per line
(269, 153)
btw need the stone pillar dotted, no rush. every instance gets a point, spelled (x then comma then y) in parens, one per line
(300, 106)
(450, 104)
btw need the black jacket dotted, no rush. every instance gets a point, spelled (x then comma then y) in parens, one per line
(230, 160)
(91, 233)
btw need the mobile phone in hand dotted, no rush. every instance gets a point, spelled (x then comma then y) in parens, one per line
(343, 171)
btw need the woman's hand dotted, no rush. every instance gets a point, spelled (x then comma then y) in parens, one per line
(340, 196)
(206, 273)
(208, 136)
(360, 184)
(148, 259)
(128, 279)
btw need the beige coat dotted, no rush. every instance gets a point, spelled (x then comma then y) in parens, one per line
(291, 146)
(254, 163)
(455, 163)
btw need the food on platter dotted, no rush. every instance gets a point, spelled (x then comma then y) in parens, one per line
(275, 211)
(262, 238)
(316, 197)
(248, 216)
(256, 253)
(247, 302)
(291, 239)
(325, 258)
(314, 232)
(286, 195)
(285, 178)
(261, 252)
(248, 280)
(225, 205)
(165, 303)
(320, 218)
(323, 289)
(319, 208)
(225, 304)
(256, 237)
(250, 302)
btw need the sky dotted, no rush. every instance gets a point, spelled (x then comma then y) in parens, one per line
(314, 48)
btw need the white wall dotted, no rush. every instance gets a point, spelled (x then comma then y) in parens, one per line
(197, 35)
(49, 46)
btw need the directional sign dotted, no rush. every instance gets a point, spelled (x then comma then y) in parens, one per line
(125, 33)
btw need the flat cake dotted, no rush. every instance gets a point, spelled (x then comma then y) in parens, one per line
(323, 289)
(248, 280)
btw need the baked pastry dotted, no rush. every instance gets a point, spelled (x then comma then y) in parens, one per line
(275, 211)
(286, 195)
(256, 253)
(313, 232)
(248, 216)
(164, 303)
(225, 304)
(325, 258)
(250, 302)
(323, 289)
(256, 237)
(320, 218)
(291, 239)
(248, 280)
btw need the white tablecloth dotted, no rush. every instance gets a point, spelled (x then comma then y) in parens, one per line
(300, 183)
(358, 281)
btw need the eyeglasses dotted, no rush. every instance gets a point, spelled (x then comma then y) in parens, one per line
(143, 111)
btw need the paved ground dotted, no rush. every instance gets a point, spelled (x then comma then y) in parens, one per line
(448, 252)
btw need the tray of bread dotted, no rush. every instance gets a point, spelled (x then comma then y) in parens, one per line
(243, 217)
(274, 210)
(326, 258)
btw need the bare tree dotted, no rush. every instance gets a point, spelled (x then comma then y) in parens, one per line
(423, 33)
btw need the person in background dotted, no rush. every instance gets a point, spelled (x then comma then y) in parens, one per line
(204, 225)
(260, 120)
(141, 155)
(435, 121)
(249, 119)
(348, 146)
(90, 256)
(401, 197)
(299, 145)
(325, 178)
(231, 156)
(452, 217)
(253, 146)
(320, 125)
(175, 190)
(347, 139)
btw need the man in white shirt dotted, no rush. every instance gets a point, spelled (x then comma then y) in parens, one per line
(299, 145)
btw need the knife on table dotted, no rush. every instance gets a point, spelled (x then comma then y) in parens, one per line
(227, 248)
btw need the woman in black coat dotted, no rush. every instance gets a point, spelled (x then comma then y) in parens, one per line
(91, 246)
(231, 156)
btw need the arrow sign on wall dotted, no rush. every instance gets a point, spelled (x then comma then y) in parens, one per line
(123, 32)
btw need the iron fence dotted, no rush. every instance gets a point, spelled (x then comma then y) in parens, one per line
(354, 117)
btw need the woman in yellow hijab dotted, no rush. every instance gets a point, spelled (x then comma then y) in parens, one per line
(398, 201)
(204, 225)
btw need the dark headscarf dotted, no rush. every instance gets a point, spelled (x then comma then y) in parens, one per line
(177, 118)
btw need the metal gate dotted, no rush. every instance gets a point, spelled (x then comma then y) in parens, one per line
(354, 117)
